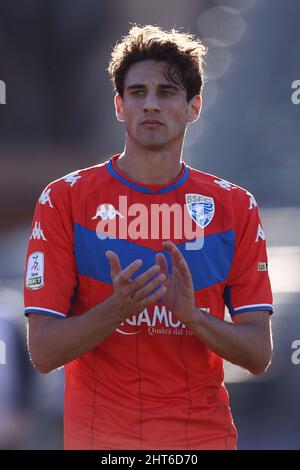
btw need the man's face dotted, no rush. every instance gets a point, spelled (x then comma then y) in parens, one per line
(154, 110)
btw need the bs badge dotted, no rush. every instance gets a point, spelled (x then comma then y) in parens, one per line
(201, 208)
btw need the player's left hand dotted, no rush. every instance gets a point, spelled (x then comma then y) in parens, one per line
(179, 297)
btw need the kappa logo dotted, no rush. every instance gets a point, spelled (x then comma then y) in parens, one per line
(260, 233)
(107, 211)
(224, 184)
(45, 197)
(72, 179)
(200, 208)
(252, 201)
(37, 232)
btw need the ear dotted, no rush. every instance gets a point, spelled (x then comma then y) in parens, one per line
(119, 108)
(194, 108)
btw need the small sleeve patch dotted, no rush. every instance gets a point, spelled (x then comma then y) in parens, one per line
(262, 266)
(35, 271)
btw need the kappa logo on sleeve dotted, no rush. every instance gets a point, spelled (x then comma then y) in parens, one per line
(45, 197)
(37, 232)
(260, 233)
(35, 271)
(72, 178)
(224, 184)
(252, 201)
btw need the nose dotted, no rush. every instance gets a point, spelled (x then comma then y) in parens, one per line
(151, 103)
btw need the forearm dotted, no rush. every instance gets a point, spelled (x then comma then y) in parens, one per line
(62, 340)
(241, 344)
(55, 342)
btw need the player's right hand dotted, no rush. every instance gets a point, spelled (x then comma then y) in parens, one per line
(132, 296)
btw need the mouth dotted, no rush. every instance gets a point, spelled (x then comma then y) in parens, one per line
(151, 123)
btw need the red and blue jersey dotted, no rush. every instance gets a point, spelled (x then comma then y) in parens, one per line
(152, 384)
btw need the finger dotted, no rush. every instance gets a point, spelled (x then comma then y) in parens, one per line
(151, 299)
(174, 252)
(162, 263)
(126, 274)
(115, 265)
(179, 263)
(143, 278)
(151, 286)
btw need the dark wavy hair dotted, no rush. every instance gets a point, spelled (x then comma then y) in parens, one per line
(182, 52)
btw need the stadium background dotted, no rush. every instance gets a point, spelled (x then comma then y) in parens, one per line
(57, 115)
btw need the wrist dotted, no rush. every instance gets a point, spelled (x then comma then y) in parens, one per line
(196, 318)
(116, 312)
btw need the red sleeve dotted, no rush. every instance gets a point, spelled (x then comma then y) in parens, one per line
(50, 277)
(248, 286)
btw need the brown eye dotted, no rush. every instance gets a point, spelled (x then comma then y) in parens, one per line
(167, 92)
(138, 92)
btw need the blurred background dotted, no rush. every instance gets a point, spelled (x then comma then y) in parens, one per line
(56, 115)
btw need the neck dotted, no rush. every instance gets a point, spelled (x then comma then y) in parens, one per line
(148, 166)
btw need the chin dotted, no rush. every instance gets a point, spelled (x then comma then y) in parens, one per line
(152, 145)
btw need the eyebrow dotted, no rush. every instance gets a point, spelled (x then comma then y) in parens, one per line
(163, 86)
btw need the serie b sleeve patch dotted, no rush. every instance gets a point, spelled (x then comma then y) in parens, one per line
(35, 271)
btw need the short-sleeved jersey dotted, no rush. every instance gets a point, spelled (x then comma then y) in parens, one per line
(152, 384)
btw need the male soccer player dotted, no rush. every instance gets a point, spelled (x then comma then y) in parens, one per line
(131, 263)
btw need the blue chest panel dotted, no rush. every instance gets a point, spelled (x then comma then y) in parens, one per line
(209, 265)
